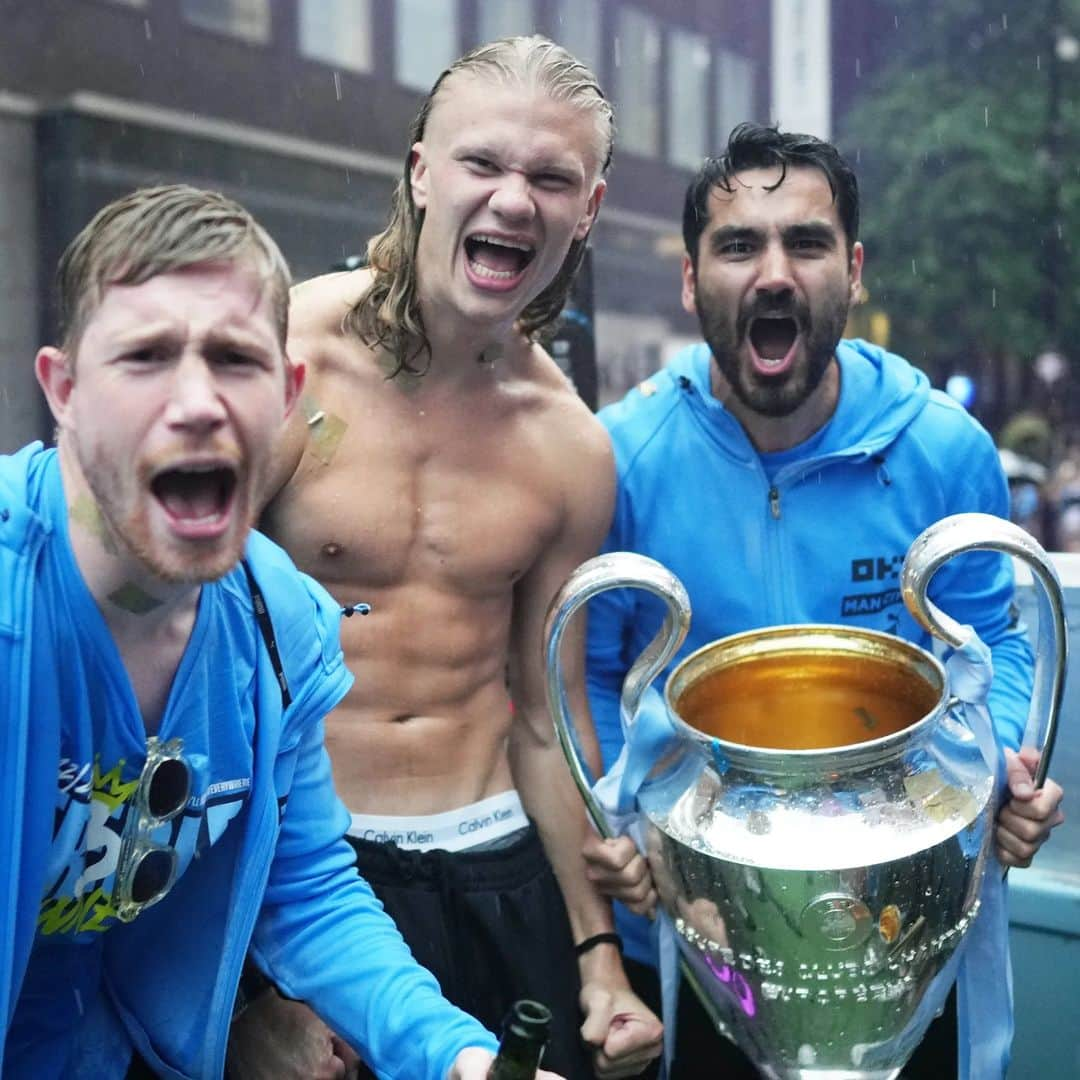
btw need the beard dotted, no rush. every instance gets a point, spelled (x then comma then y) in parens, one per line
(122, 497)
(774, 395)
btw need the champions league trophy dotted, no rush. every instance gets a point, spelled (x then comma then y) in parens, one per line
(819, 815)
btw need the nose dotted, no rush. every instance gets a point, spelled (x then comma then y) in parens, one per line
(774, 272)
(195, 401)
(512, 198)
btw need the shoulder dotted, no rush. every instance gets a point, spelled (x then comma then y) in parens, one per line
(945, 425)
(318, 306)
(637, 419)
(567, 420)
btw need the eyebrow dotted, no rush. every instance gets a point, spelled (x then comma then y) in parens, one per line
(568, 164)
(811, 230)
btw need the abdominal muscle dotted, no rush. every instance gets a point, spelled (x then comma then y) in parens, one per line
(424, 727)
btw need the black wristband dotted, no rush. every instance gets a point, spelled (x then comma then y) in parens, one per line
(609, 938)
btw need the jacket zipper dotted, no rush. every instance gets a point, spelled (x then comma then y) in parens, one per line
(774, 502)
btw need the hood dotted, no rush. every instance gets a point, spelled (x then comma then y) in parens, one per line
(880, 394)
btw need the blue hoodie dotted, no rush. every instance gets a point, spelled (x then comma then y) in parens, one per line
(272, 871)
(814, 534)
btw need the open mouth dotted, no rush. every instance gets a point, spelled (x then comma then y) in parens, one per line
(773, 339)
(195, 497)
(496, 258)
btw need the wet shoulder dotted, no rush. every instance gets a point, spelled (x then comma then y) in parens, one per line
(317, 310)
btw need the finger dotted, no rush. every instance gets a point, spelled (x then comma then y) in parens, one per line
(1018, 775)
(611, 853)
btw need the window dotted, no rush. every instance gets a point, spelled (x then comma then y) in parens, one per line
(247, 19)
(425, 41)
(734, 93)
(637, 82)
(687, 98)
(336, 32)
(504, 18)
(577, 28)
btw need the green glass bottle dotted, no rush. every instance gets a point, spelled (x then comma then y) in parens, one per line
(524, 1036)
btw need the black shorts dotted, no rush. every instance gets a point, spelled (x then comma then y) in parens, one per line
(491, 926)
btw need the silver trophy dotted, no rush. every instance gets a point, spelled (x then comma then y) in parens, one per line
(819, 829)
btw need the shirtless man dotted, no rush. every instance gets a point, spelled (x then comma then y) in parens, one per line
(444, 472)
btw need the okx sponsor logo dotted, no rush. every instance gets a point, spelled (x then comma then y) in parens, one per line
(880, 576)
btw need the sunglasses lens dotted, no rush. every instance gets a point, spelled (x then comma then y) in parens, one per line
(169, 788)
(152, 875)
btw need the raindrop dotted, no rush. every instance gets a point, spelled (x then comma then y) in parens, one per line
(146, 28)
(986, 115)
(858, 67)
(913, 270)
(993, 298)
(1038, 62)
(1004, 20)
(896, 21)
(337, 85)
(142, 71)
(618, 52)
(348, 176)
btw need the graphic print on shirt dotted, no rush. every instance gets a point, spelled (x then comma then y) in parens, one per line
(880, 577)
(93, 807)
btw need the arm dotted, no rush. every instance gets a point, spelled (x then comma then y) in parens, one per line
(625, 1033)
(323, 938)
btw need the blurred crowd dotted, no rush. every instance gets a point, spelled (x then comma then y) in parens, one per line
(1043, 469)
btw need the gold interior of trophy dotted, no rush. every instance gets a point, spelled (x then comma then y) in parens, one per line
(805, 691)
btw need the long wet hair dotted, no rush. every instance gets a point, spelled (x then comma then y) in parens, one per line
(388, 314)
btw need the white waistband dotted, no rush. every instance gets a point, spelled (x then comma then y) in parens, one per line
(453, 830)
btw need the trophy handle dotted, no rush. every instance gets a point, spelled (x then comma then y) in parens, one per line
(617, 570)
(970, 532)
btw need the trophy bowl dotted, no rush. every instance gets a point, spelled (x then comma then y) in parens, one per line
(819, 825)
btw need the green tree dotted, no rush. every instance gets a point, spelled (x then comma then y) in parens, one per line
(967, 146)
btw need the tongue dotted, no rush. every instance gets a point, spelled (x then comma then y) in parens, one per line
(190, 496)
(496, 257)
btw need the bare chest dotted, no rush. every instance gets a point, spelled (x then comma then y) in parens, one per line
(420, 492)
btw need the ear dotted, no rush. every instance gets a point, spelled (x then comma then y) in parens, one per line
(55, 373)
(591, 208)
(418, 175)
(295, 378)
(689, 283)
(855, 271)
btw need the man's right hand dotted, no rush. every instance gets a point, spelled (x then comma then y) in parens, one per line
(278, 1039)
(619, 870)
(475, 1064)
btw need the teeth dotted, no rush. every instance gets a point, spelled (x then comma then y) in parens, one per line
(480, 270)
(499, 241)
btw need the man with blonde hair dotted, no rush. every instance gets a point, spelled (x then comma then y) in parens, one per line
(168, 795)
(443, 471)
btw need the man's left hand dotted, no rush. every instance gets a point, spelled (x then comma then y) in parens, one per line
(1026, 820)
(624, 1033)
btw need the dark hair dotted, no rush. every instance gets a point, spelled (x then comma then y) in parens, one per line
(759, 146)
(388, 314)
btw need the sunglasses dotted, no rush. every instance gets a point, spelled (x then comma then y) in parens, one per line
(146, 870)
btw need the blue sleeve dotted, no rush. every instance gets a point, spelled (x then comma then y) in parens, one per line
(321, 934)
(977, 589)
(324, 938)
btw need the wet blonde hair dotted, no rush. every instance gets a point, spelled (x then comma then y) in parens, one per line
(388, 314)
(157, 230)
